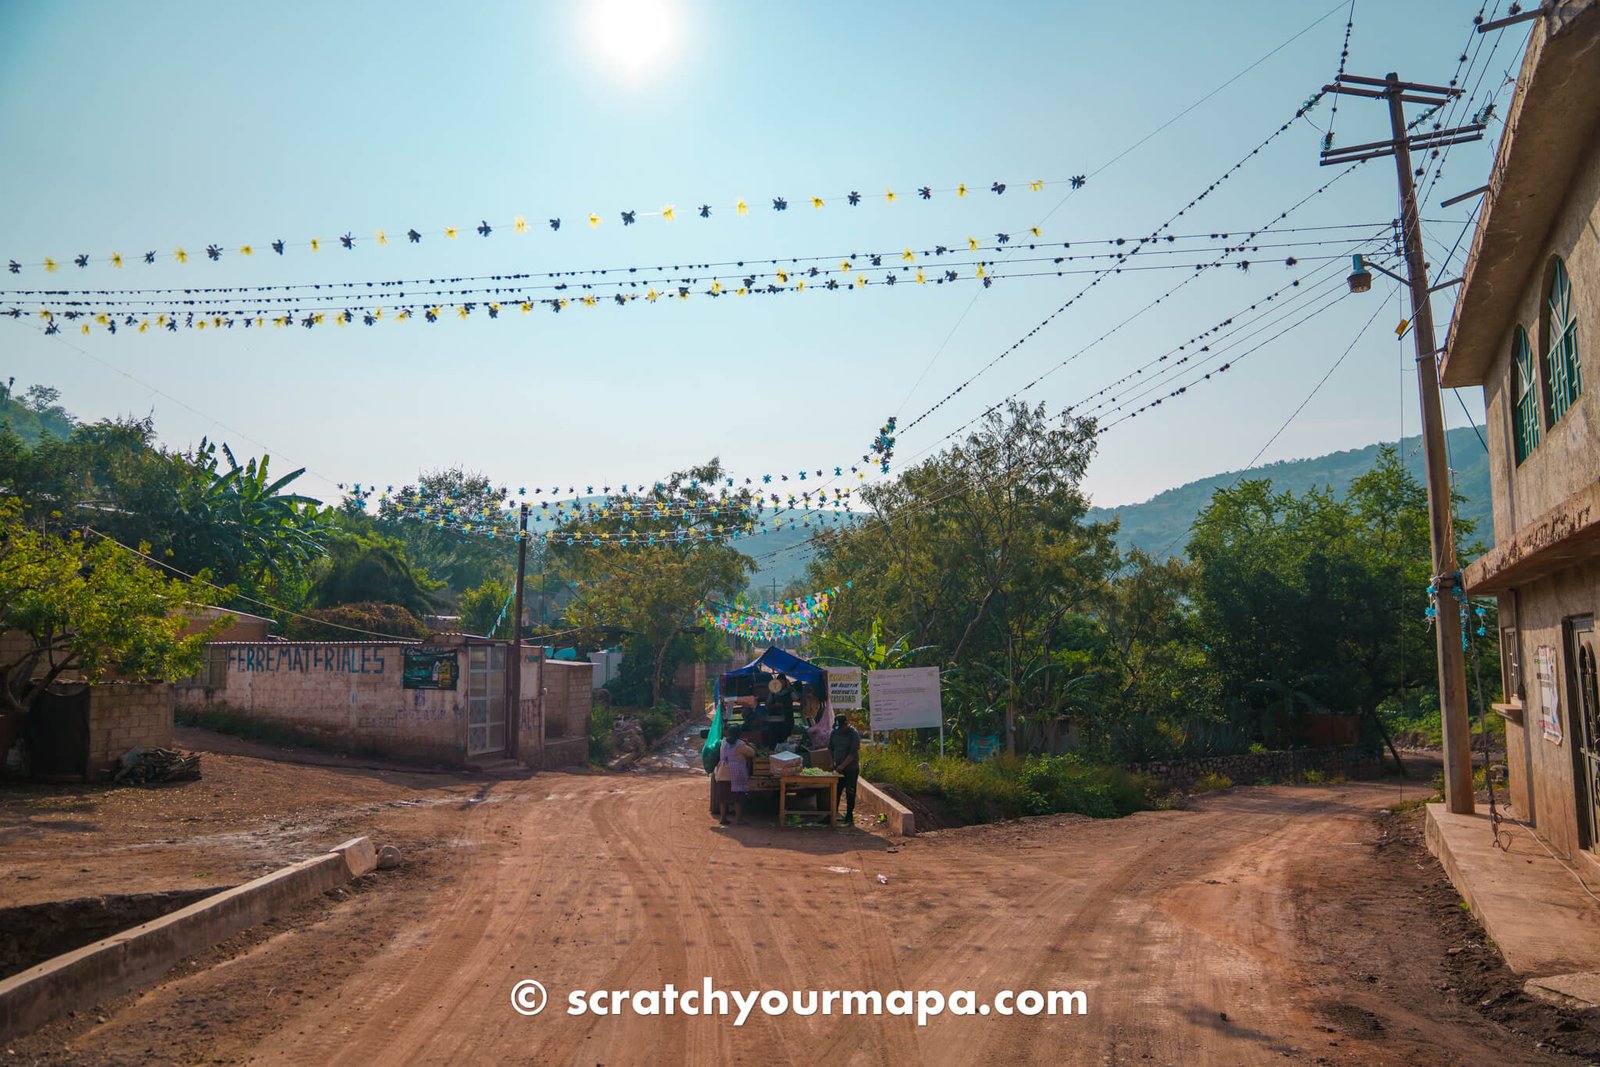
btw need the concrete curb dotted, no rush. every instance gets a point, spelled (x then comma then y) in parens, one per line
(137, 957)
(901, 820)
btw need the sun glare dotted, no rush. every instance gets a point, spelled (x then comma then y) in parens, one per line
(631, 38)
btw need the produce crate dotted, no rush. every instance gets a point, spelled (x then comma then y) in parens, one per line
(778, 768)
(762, 782)
(822, 759)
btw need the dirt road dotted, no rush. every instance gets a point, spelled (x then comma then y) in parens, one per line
(1268, 925)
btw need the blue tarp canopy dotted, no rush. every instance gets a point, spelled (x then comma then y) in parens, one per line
(773, 661)
(777, 661)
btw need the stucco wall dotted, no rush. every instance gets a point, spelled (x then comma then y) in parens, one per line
(1566, 458)
(346, 692)
(1547, 776)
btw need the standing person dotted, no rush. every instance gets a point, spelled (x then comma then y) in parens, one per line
(733, 774)
(819, 721)
(779, 722)
(844, 744)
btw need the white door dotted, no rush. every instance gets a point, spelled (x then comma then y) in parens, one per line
(486, 699)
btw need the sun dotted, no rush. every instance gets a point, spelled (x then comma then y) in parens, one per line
(631, 38)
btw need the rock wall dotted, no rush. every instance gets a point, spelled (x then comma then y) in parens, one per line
(1251, 767)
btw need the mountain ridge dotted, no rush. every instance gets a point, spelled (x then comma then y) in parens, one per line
(1160, 525)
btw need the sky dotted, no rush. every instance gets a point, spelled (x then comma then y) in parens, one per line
(152, 127)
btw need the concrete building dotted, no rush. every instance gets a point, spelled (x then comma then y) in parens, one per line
(444, 699)
(79, 731)
(1527, 330)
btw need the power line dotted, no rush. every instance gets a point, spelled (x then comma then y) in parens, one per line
(241, 596)
(1140, 244)
(1121, 155)
(1293, 415)
(1164, 296)
(1318, 387)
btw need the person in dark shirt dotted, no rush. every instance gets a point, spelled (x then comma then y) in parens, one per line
(778, 723)
(844, 744)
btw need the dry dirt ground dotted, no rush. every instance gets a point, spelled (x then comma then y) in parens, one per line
(1296, 924)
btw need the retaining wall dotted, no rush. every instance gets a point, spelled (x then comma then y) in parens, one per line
(137, 957)
(1347, 760)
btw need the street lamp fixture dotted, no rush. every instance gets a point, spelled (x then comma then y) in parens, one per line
(1360, 279)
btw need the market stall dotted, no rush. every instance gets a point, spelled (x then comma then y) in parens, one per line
(780, 702)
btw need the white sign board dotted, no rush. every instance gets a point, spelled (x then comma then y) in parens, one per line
(1544, 661)
(905, 699)
(844, 688)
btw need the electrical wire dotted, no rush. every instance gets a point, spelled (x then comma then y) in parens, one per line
(1120, 156)
(1139, 245)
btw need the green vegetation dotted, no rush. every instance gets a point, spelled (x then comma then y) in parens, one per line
(652, 592)
(35, 414)
(602, 720)
(1007, 788)
(486, 604)
(224, 720)
(83, 605)
(1211, 783)
(657, 722)
(255, 543)
(1161, 524)
(1286, 605)
(1412, 718)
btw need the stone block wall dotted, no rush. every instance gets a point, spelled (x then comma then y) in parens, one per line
(568, 697)
(123, 715)
(1250, 767)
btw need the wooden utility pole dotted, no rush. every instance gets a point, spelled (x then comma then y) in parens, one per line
(1441, 526)
(514, 720)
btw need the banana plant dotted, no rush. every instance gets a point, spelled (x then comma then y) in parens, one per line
(869, 652)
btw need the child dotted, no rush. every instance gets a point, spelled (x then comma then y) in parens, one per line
(733, 774)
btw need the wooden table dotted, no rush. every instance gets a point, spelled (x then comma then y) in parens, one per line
(802, 782)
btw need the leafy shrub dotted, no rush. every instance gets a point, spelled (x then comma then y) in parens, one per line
(1210, 783)
(340, 623)
(1007, 787)
(657, 722)
(602, 719)
(226, 720)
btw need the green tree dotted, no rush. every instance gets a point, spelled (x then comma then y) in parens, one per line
(36, 414)
(483, 606)
(1313, 601)
(243, 527)
(1157, 695)
(460, 560)
(644, 564)
(983, 552)
(84, 607)
(371, 569)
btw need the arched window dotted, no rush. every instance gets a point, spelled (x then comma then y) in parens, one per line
(1524, 395)
(1561, 344)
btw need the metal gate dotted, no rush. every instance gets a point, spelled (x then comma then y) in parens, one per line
(58, 734)
(1585, 708)
(486, 699)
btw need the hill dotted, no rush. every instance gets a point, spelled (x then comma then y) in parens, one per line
(34, 413)
(1161, 524)
(781, 557)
